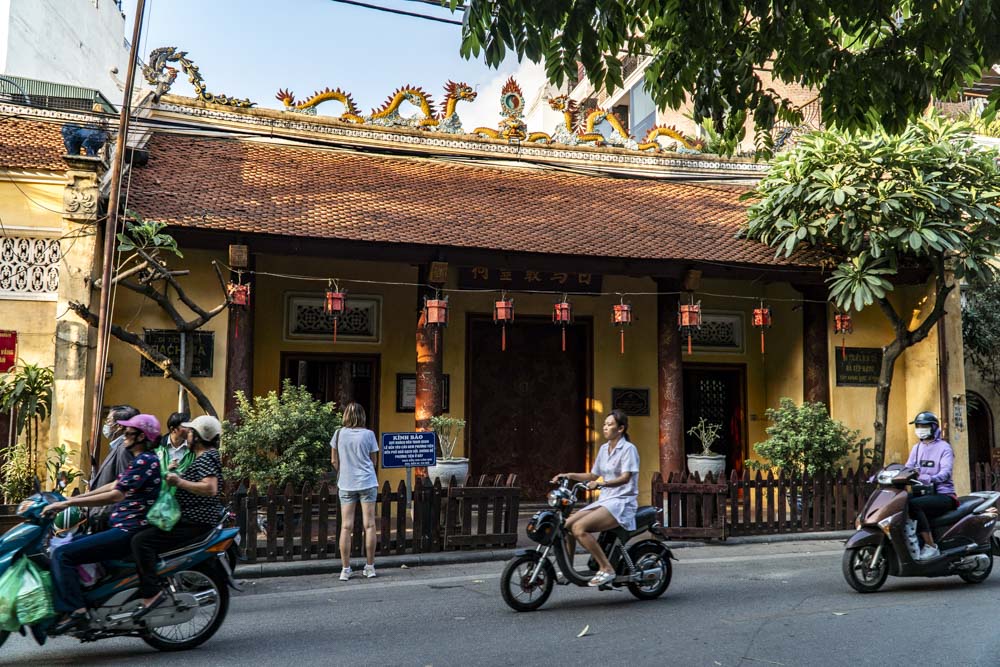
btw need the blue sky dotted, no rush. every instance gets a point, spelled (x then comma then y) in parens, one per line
(251, 48)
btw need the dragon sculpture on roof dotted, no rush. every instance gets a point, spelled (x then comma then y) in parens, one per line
(388, 114)
(351, 114)
(161, 76)
(454, 92)
(650, 141)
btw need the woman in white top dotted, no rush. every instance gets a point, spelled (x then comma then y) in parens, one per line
(354, 456)
(617, 464)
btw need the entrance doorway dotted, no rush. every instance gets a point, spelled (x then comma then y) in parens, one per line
(340, 378)
(980, 430)
(527, 406)
(717, 393)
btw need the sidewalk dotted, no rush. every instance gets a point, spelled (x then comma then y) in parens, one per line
(331, 565)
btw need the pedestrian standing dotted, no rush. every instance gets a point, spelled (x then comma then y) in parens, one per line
(354, 456)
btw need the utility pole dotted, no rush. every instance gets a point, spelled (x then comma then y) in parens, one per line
(110, 231)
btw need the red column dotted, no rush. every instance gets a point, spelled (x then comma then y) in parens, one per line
(429, 366)
(815, 350)
(670, 384)
(239, 348)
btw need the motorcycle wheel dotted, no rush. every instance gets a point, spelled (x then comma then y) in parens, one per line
(859, 575)
(979, 576)
(515, 590)
(647, 558)
(206, 579)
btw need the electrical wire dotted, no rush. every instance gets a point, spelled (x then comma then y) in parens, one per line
(400, 12)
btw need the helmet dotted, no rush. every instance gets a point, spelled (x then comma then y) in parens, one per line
(542, 527)
(925, 419)
(206, 426)
(68, 520)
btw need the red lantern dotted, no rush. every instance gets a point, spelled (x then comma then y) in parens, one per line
(239, 295)
(622, 317)
(689, 319)
(562, 314)
(843, 325)
(336, 305)
(762, 320)
(503, 312)
(436, 315)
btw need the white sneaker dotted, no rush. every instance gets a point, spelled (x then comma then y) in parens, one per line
(929, 552)
(369, 571)
(346, 573)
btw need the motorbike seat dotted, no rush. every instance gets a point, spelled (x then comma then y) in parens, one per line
(172, 550)
(965, 506)
(644, 518)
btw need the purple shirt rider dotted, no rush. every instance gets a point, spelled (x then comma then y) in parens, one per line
(933, 460)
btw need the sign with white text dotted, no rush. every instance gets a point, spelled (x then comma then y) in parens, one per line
(409, 450)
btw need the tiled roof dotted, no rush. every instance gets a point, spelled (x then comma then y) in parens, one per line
(29, 144)
(256, 187)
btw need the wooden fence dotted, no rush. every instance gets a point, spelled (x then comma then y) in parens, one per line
(985, 477)
(305, 524)
(759, 504)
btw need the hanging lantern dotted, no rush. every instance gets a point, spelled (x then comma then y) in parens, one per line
(689, 319)
(562, 314)
(239, 295)
(843, 325)
(762, 320)
(621, 318)
(503, 312)
(436, 315)
(336, 305)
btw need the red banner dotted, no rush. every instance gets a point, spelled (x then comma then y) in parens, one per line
(8, 350)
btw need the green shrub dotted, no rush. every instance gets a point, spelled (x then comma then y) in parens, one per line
(17, 478)
(280, 439)
(805, 439)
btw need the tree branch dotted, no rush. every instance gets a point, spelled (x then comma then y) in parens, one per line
(890, 312)
(940, 297)
(162, 362)
(161, 299)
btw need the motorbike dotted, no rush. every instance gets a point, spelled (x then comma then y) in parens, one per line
(885, 542)
(643, 567)
(197, 581)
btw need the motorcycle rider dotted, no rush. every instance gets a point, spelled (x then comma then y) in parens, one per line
(133, 494)
(617, 463)
(115, 462)
(932, 457)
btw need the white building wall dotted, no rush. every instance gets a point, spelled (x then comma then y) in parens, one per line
(76, 42)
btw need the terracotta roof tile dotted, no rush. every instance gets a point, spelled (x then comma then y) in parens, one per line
(29, 144)
(251, 187)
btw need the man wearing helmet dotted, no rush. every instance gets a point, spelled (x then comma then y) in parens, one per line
(933, 458)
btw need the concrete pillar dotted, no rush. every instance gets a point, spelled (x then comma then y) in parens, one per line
(670, 384)
(70, 424)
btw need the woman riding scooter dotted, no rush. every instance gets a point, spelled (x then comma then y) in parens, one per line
(617, 463)
(133, 494)
(932, 457)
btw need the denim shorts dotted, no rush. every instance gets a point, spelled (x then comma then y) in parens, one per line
(365, 496)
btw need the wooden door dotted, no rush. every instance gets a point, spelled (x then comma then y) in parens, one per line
(527, 406)
(337, 378)
(717, 394)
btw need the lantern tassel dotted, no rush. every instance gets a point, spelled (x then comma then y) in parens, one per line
(762, 341)
(503, 338)
(335, 331)
(564, 339)
(843, 349)
(622, 333)
(435, 340)
(689, 343)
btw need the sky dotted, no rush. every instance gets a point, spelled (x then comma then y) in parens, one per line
(251, 48)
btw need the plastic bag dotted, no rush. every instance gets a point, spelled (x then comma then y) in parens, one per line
(34, 600)
(165, 512)
(10, 586)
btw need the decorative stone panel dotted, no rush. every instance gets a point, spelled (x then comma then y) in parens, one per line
(29, 268)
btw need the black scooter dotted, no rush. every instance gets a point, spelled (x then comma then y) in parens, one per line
(644, 567)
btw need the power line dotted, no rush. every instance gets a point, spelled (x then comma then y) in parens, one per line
(400, 12)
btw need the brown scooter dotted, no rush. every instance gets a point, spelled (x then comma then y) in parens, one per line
(965, 536)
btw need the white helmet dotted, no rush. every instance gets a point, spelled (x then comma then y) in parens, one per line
(207, 427)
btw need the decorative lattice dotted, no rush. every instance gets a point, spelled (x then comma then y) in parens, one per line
(29, 267)
(720, 332)
(308, 319)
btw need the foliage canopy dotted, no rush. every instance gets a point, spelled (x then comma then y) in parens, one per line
(876, 63)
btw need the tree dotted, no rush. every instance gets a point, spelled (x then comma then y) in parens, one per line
(145, 272)
(981, 332)
(883, 209)
(873, 63)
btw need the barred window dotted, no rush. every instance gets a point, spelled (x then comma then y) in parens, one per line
(29, 268)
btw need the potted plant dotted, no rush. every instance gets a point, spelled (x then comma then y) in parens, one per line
(707, 461)
(448, 430)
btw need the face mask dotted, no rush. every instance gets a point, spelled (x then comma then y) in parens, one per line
(106, 431)
(923, 432)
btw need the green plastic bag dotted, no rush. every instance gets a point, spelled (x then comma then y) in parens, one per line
(10, 586)
(165, 512)
(34, 600)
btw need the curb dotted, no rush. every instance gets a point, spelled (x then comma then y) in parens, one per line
(332, 565)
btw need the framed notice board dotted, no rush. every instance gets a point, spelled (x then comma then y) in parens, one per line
(858, 366)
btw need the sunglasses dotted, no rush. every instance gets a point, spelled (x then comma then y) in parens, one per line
(132, 434)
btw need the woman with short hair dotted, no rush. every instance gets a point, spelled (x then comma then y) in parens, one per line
(354, 455)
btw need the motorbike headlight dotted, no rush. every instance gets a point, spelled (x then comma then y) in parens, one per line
(886, 476)
(553, 499)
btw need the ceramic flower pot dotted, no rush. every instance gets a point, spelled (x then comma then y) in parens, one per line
(703, 465)
(447, 468)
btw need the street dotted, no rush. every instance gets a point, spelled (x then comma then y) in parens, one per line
(766, 604)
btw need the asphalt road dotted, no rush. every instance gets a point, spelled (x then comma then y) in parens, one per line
(779, 604)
